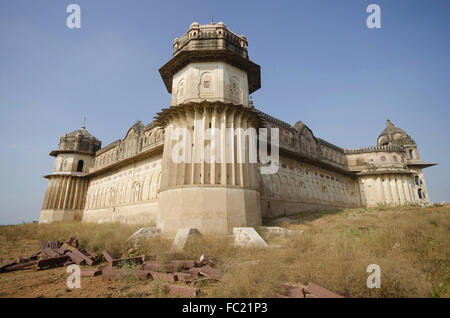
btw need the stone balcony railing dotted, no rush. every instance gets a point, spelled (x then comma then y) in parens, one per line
(373, 149)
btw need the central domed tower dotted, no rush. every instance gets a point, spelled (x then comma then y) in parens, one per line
(208, 126)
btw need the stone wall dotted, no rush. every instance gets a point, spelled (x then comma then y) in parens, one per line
(387, 189)
(128, 194)
(299, 187)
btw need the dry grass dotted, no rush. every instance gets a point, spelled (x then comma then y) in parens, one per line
(95, 237)
(410, 244)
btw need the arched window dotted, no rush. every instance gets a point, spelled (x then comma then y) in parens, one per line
(421, 194)
(411, 154)
(80, 166)
(418, 181)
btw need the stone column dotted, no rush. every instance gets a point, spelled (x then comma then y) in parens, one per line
(411, 190)
(47, 195)
(405, 190)
(387, 191)
(213, 164)
(57, 193)
(76, 194)
(393, 186)
(178, 174)
(223, 164)
(239, 146)
(63, 193)
(380, 192)
(198, 141)
(401, 194)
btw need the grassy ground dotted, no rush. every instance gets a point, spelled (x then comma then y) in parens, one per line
(410, 244)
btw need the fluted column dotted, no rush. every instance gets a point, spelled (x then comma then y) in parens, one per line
(62, 193)
(239, 167)
(387, 191)
(380, 192)
(76, 194)
(395, 197)
(400, 191)
(411, 190)
(214, 126)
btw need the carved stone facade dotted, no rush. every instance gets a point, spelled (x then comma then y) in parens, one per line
(210, 77)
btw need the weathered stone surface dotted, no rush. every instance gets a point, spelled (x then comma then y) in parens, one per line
(294, 292)
(166, 277)
(14, 266)
(81, 255)
(183, 277)
(143, 234)
(7, 263)
(209, 260)
(90, 272)
(247, 237)
(115, 274)
(54, 261)
(181, 291)
(43, 245)
(183, 264)
(49, 252)
(61, 250)
(75, 258)
(159, 267)
(110, 274)
(195, 272)
(208, 271)
(109, 258)
(320, 292)
(182, 238)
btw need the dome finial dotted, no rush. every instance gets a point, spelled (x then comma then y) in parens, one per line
(84, 123)
(389, 123)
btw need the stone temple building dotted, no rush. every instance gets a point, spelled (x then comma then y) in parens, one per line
(210, 78)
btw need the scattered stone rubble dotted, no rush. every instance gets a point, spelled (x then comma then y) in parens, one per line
(180, 277)
(52, 254)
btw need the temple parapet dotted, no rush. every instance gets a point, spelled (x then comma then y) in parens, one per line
(211, 36)
(138, 139)
(374, 149)
(299, 139)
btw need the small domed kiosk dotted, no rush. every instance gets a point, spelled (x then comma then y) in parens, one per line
(66, 191)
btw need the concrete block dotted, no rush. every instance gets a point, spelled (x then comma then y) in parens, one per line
(144, 233)
(247, 237)
(182, 238)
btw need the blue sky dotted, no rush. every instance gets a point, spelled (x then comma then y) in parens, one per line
(319, 62)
